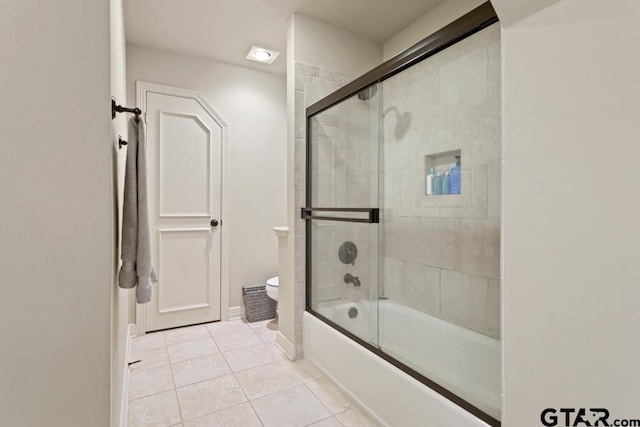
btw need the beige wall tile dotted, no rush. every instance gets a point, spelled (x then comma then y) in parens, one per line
(314, 90)
(323, 148)
(300, 259)
(468, 45)
(301, 161)
(450, 243)
(487, 126)
(340, 78)
(494, 190)
(393, 279)
(303, 70)
(481, 247)
(324, 190)
(401, 241)
(463, 81)
(299, 113)
(391, 195)
(464, 299)
(493, 309)
(422, 287)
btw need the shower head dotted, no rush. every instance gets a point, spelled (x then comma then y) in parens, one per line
(367, 93)
(403, 122)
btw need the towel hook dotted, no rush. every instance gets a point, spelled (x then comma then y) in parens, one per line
(121, 142)
(115, 108)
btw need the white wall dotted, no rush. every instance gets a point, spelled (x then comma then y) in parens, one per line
(428, 24)
(571, 210)
(253, 103)
(120, 300)
(333, 48)
(57, 213)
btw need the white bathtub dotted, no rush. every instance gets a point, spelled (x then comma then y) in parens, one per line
(463, 361)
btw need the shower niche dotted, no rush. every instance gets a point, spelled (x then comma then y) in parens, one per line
(443, 173)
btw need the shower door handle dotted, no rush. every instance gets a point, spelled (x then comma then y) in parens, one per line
(374, 214)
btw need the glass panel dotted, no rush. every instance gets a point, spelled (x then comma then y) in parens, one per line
(343, 147)
(345, 293)
(440, 226)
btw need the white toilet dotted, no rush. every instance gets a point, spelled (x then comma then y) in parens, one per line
(272, 288)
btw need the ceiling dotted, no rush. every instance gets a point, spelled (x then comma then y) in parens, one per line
(224, 30)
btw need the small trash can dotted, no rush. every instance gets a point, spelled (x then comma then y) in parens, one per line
(257, 305)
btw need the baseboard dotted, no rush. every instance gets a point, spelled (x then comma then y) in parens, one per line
(286, 346)
(124, 405)
(236, 312)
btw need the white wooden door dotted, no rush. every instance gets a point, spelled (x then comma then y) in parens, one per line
(184, 143)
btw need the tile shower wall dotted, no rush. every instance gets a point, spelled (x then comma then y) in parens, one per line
(313, 83)
(442, 253)
(344, 171)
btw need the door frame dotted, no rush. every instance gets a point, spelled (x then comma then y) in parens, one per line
(144, 87)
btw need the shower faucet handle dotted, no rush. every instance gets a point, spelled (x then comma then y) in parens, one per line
(347, 253)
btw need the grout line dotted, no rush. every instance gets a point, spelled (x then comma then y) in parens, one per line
(205, 380)
(231, 372)
(175, 391)
(320, 401)
(256, 412)
(194, 358)
(152, 394)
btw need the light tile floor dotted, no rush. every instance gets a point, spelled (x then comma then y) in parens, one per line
(230, 374)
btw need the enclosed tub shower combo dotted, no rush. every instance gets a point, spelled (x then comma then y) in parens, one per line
(403, 231)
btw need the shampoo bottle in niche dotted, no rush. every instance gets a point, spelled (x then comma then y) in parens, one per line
(430, 177)
(437, 184)
(446, 183)
(456, 177)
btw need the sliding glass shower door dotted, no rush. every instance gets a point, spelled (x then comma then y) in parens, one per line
(343, 162)
(403, 217)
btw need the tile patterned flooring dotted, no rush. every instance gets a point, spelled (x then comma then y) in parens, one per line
(230, 374)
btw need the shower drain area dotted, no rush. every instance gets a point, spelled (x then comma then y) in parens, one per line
(352, 313)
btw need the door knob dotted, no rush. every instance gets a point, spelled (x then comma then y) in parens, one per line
(214, 223)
